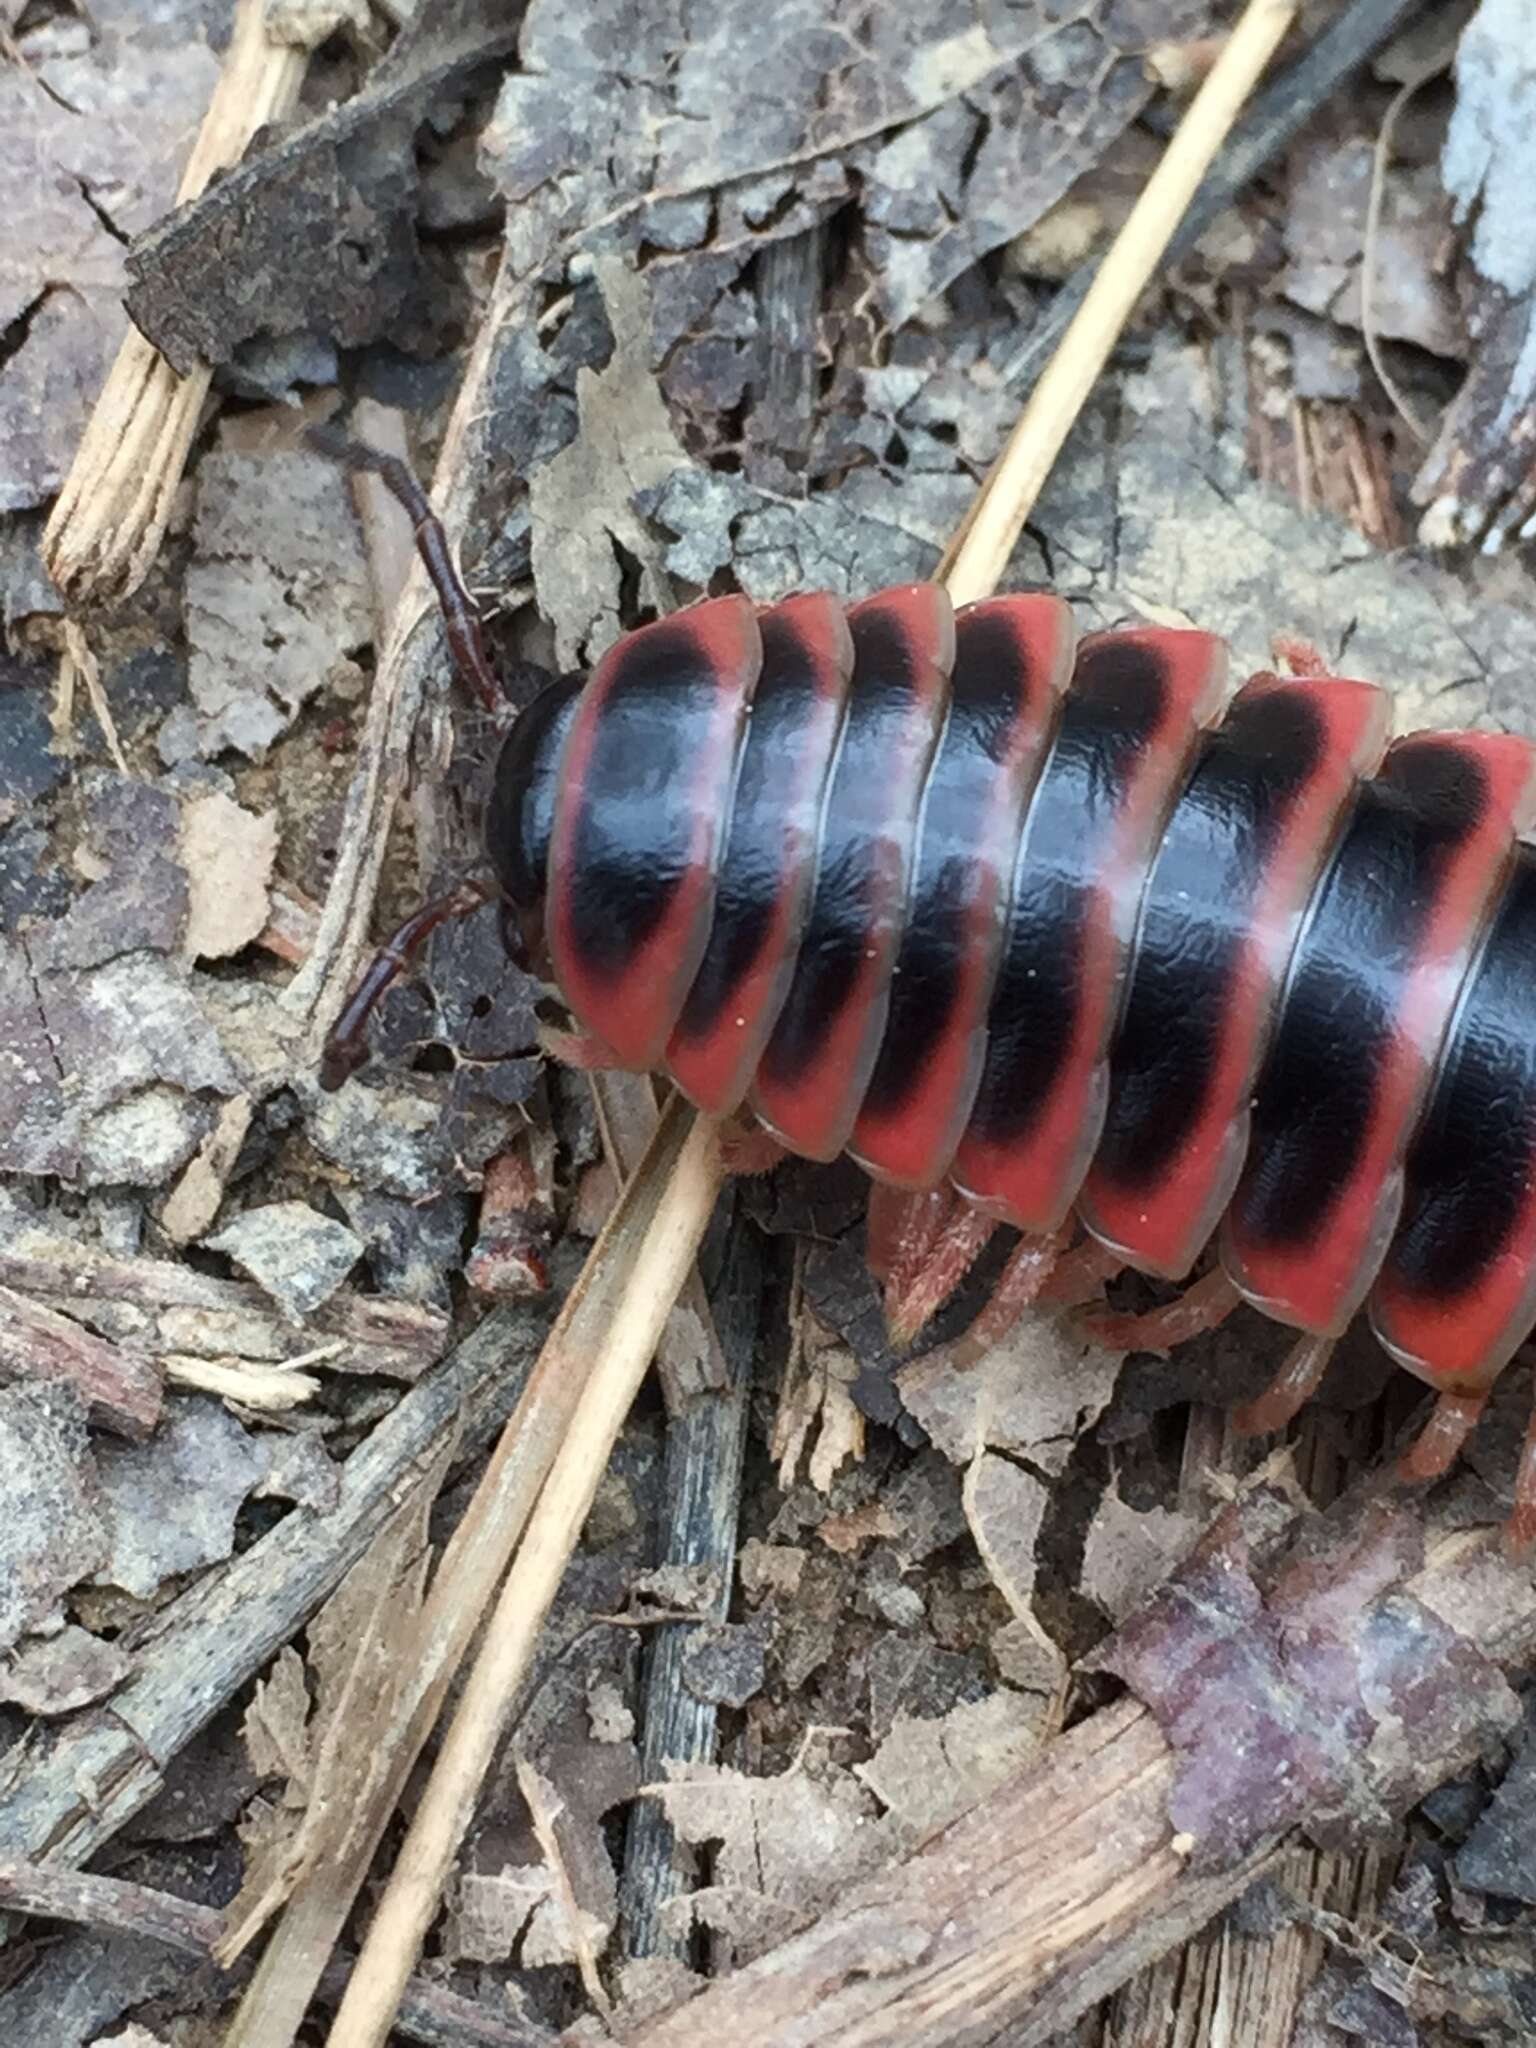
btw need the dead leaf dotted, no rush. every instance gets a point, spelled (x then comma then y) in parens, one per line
(960, 132)
(926, 1772)
(93, 128)
(1005, 1505)
(770, 1570)
(51, 1675)
(276, 596)
(816, 1406)
(298, 1256)
(52, 1532)
(170, 1504)
(782, 1842)
(95, 1064)
(1031, 1396)
(228, 854)
(276, 1728)
(194, 1202)
(847, 1534)
(1129, 1550)
(491, 1908)
(583, 501)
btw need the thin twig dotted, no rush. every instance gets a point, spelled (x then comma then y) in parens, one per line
(1369, 261)
(972, 565)
(544, 1810)
(106, 528)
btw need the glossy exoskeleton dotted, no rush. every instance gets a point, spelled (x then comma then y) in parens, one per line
(1056, 933)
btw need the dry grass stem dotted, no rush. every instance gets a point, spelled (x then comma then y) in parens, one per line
(976, 558)
(411, 655)
(247, 1383)
(644, 1297)
(544, 1811)
(108, 521)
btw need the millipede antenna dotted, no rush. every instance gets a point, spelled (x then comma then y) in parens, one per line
(461, 619)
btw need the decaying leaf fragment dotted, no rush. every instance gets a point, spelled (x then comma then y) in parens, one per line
(94, 122)
(583, 501)
(783, 1842)
(171, 1503)
(277, 595)
(52, 1532)
(292, 1252)
(228, 854)
(1303, 1683)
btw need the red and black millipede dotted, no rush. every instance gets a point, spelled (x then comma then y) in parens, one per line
(1054, 927)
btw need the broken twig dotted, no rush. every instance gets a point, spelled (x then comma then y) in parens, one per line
(106, 527)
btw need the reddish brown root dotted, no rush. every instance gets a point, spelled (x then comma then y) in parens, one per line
(1019, 1286)
(1520, 1529)
(1080, 1274)
(1438, 1444)
(507, 1262)
(929, 1264)
(1292, 1387)
(748, 1148)
(1201, 1307)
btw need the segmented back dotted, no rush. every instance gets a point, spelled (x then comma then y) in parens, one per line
(975, 904)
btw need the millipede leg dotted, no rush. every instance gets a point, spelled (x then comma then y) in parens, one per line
(1438, 1444)
(1520, 1529)
(1030, 1265)
(887, 1222)
(346, 1047)
(936, 1245)
(1301, 657)
(1201, 1307)
(1081, 1274)
(1292, 1387)
(748, 1148)
(461, 620)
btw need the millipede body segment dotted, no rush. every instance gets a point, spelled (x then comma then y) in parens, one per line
(1058, 925)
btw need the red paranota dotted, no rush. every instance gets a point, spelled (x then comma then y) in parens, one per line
(1053, 933)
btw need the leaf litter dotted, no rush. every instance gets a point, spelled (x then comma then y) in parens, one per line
(773, 270)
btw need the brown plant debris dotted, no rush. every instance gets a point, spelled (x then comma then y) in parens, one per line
(94, 118)
(352, 170)
(1300, 1688)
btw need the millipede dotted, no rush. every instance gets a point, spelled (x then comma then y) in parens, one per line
(1058, 933)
